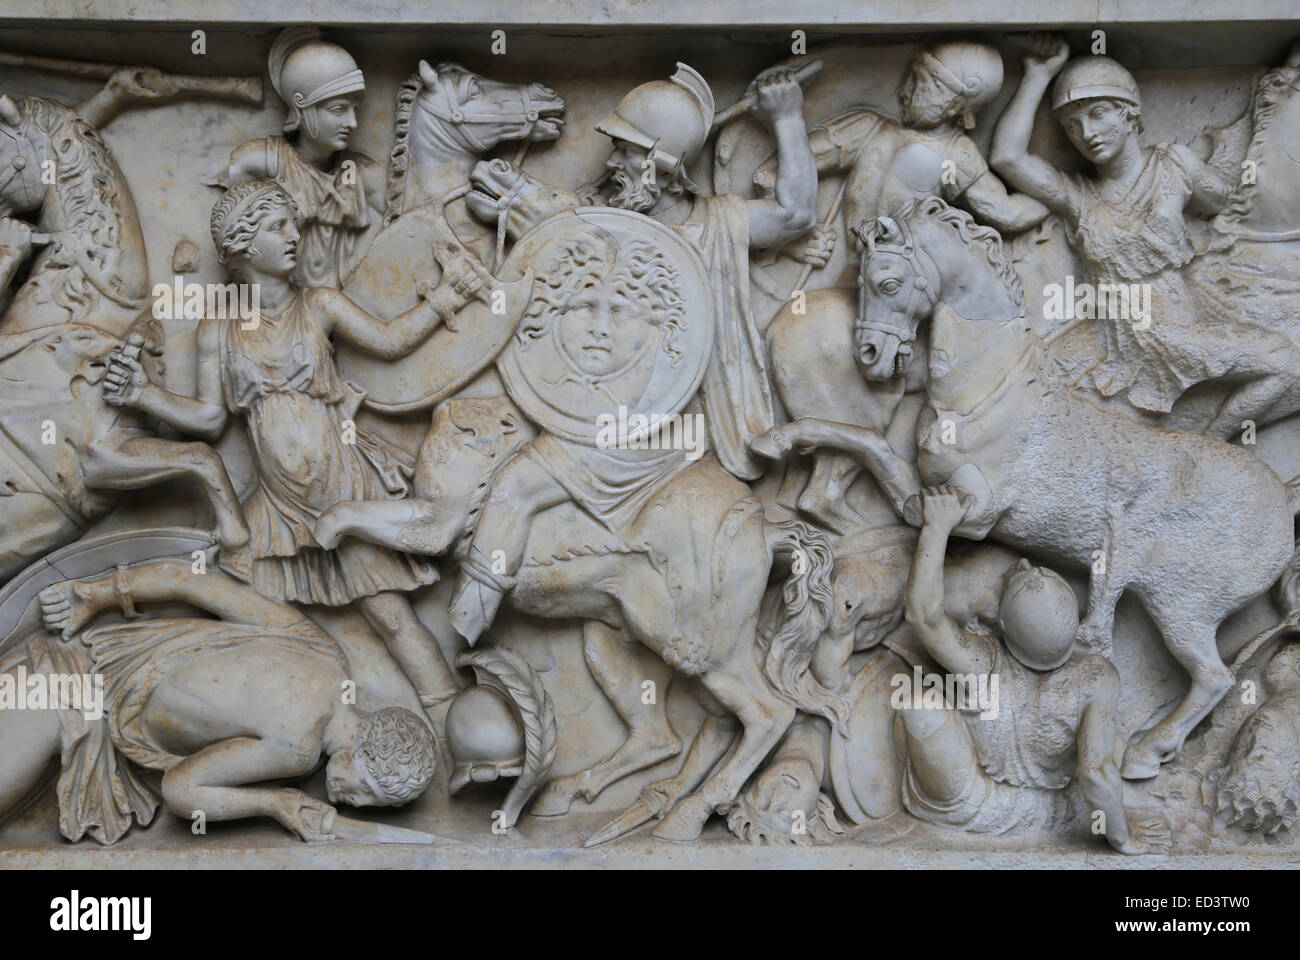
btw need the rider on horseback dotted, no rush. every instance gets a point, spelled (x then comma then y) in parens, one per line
(611, 310)
(1127, 223)
(930, 153)
(657, 130)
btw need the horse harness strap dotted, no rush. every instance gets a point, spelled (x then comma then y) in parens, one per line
(912, 254)
(451, 111)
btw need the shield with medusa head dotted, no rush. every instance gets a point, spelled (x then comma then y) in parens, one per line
(618, 328)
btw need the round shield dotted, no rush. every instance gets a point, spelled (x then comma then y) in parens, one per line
(618, 329)
(384, 285)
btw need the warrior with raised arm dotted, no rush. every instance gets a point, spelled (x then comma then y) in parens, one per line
(1127, 221)
(1054, 722)
(657, 130)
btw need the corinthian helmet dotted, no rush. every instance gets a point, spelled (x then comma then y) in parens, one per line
(306, 70)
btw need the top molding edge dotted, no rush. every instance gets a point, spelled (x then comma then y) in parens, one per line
(857, 15)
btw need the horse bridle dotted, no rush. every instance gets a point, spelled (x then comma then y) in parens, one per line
(440, 103)
(911, 253)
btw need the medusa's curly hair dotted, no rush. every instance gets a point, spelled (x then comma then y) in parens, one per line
(640, 270)
(398, 752)
(237, 216)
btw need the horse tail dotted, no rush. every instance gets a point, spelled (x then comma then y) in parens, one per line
(399, 160)
(804, 612)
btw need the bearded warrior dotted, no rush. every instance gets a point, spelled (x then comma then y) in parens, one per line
(657, 130)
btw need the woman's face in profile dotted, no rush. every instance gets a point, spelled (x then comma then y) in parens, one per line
(275, 246)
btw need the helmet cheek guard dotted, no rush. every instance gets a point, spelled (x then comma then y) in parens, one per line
(669, 119)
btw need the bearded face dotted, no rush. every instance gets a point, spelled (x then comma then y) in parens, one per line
(631, 192)
(629, 169)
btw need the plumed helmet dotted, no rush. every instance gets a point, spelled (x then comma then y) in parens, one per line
(1087, 78)
(972, 70)
(484, 736)
(306, 70)
(670, 119)
(1039, 615)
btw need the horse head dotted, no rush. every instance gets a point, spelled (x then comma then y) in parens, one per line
(471, 438)
(457, 111)
(928, 254)
(898, 287)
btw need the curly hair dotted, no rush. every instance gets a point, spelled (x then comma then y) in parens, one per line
(639, 269)
(234, 238)
(399, 753)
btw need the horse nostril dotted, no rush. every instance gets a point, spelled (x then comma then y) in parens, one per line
(869, 353)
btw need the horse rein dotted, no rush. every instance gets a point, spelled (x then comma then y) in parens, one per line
(910, 253)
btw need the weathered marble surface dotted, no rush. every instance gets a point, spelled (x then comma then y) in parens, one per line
(1194, 79)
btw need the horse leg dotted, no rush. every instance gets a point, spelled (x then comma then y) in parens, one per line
(389, 523)
(740, 687)
(520, 490)
(1105, 588)
(716, 735)
(1193, 644)
(620, 668)
(144, 461)
(823, 497)
(31, 525)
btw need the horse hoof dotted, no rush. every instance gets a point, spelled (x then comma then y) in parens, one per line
(684, 823)
(552, 801)
(1139, 764)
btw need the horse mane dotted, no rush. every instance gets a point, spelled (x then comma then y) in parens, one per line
(88, 189)
(971, 234)
(1270, 90)
(399, 160)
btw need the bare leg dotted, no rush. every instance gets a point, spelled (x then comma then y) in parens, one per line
(942, 754)
(413, 647)
(1250, 400)
(144, 461)
(620, 668)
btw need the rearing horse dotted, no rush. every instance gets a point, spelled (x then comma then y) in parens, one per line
(1194, 527)
(446, 119)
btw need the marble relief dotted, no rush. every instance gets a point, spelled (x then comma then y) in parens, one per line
(897, 441)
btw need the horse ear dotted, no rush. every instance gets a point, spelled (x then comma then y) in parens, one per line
(428, 75)
(9, 112)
